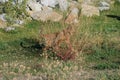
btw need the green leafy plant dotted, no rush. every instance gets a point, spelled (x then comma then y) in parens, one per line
(14, 11)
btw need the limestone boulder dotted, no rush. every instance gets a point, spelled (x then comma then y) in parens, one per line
(50, 3)
(33, 6)
(73, 16)
(89, 10)
(46, 14)
(63, 4)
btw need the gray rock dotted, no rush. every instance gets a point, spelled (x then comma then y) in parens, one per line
(73, 16)
(3, 23)
(89, 10)
(8, 29)
(2, 17)
(50, 3)
(3, 1)
(63, 5)
(32, 5)
(118, 0)
(46, 14)
(41, 15)
(19, 22)
(17, 1)
(104, 6)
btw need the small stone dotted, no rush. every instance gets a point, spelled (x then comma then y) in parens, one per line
(2, 17)
(8, 29)
(17, 1)
(104, 6)
(19, 22)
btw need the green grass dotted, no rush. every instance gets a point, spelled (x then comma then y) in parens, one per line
(97, 40)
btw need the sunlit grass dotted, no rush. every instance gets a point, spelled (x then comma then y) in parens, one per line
(97, 40)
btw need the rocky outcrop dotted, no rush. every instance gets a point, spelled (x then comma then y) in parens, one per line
(36, 5)
(44, 10)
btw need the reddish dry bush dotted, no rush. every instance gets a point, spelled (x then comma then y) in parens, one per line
(67, 54)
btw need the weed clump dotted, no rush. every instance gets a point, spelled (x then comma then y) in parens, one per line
(14, 10)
